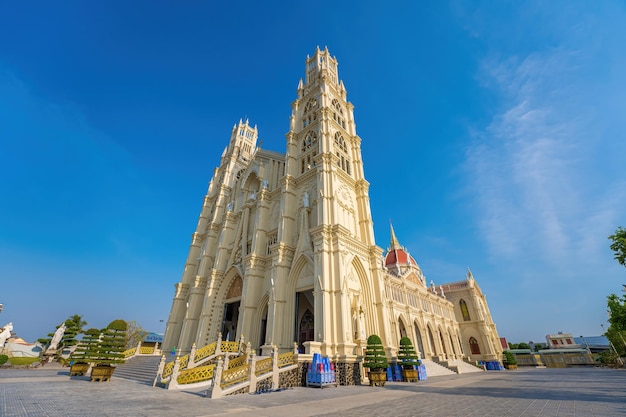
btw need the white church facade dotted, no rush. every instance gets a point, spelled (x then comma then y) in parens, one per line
(284, 251)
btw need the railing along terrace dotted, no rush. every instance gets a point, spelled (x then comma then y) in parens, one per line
(285, 359)
(167, 370)
(230, 347)
(237, 362)
(234, 376)
(130, 352)
(199, 374)
(263, 366)
(205, 352)
(184, 360)
(146, 350)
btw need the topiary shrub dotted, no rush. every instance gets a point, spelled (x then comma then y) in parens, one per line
(509, 358)
(3, 359)
(112, 344)
(375, 357)
(87, 348)
(407, 356)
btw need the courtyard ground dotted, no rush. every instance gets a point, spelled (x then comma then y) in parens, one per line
(525, 392)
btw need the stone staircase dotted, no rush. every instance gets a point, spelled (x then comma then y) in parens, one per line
(463, 367)
(434, 369)
(142, 369)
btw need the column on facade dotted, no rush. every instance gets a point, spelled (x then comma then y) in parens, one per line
(194, 309)
(255, 271)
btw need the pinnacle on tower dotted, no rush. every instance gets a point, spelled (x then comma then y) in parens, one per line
(394, 241)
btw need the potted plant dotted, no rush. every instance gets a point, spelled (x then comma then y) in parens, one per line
(81, 359)
(110, 351)
(509, 360)
(376, 361)
(408, 359)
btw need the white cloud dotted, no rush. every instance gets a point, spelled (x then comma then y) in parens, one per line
(529, 168)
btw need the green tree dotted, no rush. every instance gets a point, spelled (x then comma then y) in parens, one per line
(112, 344)
(73, 327)
(135, 334)
(616, 332)
(375, 357)
(86, 349)
(618, 245)
(509, 358)
(523, 346)
(407, 356)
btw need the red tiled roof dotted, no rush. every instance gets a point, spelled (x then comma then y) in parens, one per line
(399, 256)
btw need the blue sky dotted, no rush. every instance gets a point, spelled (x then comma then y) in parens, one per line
(493, 137)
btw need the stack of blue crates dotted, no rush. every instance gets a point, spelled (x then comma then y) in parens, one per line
(394, 372)
(321, 372)
(494, 366)
(421, 372)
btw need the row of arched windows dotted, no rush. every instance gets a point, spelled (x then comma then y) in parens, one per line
(473, 343)
(309, 115)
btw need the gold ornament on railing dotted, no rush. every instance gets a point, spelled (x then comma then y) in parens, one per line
(234, 376)
(199, 374)
(205, 352)
(263, 366)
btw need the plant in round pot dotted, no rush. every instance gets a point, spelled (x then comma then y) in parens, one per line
(376, 361)
(110, 350)
(85, 351)
(408, 359)
(509, 360)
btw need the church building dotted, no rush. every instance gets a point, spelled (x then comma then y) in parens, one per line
(284, 251)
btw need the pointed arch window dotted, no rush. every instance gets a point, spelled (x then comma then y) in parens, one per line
(464, 310)
(474, 346)
(338, 113)
(310, 105)
(341, 150)
(340, 142)
(309, 151)
(309, 115)
(310, 141)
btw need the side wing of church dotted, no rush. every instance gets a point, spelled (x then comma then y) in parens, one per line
(284, 250)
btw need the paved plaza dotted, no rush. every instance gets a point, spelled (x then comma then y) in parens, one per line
(525, 392)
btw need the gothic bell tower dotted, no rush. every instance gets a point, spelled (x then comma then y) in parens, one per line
(327, 218)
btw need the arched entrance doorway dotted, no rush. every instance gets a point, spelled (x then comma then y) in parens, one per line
(306, 329)
(304, 320)
(263, 329)
(230, 316)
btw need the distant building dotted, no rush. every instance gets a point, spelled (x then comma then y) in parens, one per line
(595, 344)
(561, 341)
(504, 343)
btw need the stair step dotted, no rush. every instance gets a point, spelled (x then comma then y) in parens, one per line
(434, 369)
(139, 368)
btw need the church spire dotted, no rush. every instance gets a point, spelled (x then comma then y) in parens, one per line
(394, 241)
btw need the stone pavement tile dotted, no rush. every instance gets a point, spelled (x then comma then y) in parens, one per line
(531, 392)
